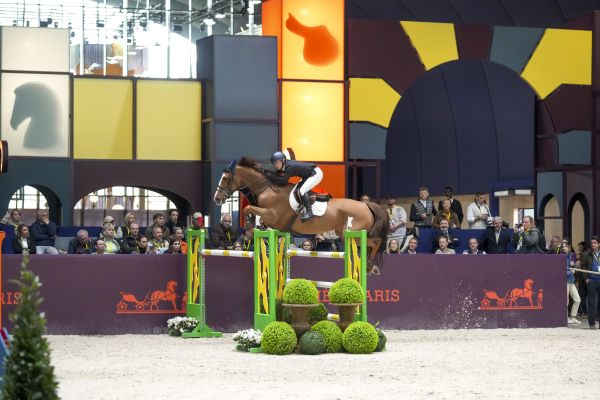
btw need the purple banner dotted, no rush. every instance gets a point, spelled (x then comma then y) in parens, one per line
(136, 294)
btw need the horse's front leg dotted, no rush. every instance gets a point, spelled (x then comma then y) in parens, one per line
(267, 215)
(374, 244)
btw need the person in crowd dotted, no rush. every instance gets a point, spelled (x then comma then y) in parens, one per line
(555, 245)
(14, 218)
(108, 234)
(246, 240)
(100, 247)
(130, 239)
(237, 246)
(413, 243)
(478, 213)
(23, 241)
(328, 241)
(446, 211)
(307, 245)
(452, 241)
(393, 247)
(455, 205)
(157, 245)
(81, 244)
(128, 220)
(158, 220)
(567, 250)
(174, 221)
(197, 221)
(443, 246)
(591, 262)
(43, 233)
(141, 246)
(180, 234)
(223, 235)
(174, 245)
(496, 238)
(365, 198)
(423, 211)
(582, 250)
(473, 247)
(398, 220)
(527, 239)
(118, 231)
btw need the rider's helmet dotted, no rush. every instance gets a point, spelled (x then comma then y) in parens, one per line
(278, 155)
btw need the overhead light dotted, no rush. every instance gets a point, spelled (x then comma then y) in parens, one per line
(118, 207)
(501, 193)
(523, 192)
(220, 15)
(93, 199)
(209, 21)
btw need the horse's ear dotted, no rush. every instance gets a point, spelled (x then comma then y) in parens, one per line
(231, 166)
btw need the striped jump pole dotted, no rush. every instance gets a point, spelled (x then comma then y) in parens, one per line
(196, 283)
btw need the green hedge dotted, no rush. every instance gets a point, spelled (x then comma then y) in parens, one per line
(346, 291)
(360, 338)
(278, 338)
(331, 333)
(300, 291)
(312, 342)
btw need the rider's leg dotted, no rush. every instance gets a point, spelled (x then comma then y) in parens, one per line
(310, 183)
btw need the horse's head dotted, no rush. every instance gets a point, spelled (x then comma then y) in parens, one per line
(227, 185)
(171, 285)
(528, 284)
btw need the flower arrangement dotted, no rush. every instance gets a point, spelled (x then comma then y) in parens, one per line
(179, 325)
(247, 339)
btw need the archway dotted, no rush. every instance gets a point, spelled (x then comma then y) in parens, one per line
(578, 221)
(550, 222)
(465, 123)
(30, 198)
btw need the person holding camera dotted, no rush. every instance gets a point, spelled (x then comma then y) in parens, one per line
(423, 211)
(478, 213)
(527, 239)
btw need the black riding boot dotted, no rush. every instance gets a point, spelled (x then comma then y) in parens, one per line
(306, 212)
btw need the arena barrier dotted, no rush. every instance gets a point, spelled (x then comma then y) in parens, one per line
(272, 270)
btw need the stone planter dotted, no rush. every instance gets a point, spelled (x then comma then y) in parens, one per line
(300, 317)
(347, 312)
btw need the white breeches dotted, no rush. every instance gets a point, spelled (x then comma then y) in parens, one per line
(312, 181)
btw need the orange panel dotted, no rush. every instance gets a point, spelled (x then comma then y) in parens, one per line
(313, 39)
(271, 25)
(334, 180)
(312, 120)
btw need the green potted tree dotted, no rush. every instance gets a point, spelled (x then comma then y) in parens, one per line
(300, 296)
(347, 295)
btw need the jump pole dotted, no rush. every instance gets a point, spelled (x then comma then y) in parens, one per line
(196, 283)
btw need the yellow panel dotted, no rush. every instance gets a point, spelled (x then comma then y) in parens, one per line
(562, 56)
(312, 120)
(103, 115)
(313, 39)
(435, 42)
(372, 100)
(168, 120)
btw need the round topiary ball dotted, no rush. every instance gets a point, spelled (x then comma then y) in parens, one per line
(278, 338)
(382, 341)
(312, 342)
(360, 338)
(331, 333)
(316, 314)
(300, 291)
(346, 291)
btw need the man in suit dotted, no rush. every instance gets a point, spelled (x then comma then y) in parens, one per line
(496, 238)
(453, 242)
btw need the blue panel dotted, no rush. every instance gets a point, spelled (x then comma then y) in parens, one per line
(367, 141)
(513, 103)
(237, 139)
(513, 47)
(474, 124)
(240, 73)
(575, 147)
(549, 183)
(540, 13)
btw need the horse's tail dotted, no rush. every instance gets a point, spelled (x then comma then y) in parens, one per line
(380, 228)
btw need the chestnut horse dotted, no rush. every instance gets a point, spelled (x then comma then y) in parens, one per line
(275, 211)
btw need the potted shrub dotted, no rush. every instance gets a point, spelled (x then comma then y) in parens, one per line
(360, 338)
(331, 333)
(312, 342)
(300, 296)
(278, 338)
(347, 295)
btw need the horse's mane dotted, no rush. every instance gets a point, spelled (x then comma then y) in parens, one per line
(250, 163)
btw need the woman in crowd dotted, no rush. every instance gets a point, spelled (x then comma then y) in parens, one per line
(571, 289)
(13, 218)
(448, 214)
(307, 245)
(23, 241)
(112, 245)
(393, 247)
(444, 249)
(237, 246)
(174, 246)
(141, 246)
(473, 247)
(128, 219)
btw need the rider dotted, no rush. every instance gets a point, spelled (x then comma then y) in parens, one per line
(310, 174)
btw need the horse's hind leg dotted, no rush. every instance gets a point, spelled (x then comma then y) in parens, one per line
(374, 244)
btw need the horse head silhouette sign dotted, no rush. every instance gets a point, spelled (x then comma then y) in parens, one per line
(35, 114)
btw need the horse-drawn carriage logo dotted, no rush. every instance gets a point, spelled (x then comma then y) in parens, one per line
(512, 299)
(130, 304)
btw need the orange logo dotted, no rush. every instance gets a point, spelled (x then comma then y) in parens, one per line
(514, 299)
(320, 47)
(151, 303)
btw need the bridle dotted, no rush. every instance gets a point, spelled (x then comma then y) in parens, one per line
(227, 191)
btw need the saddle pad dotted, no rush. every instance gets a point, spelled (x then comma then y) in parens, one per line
(319, 208)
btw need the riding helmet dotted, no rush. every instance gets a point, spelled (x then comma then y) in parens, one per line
(278, 155)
